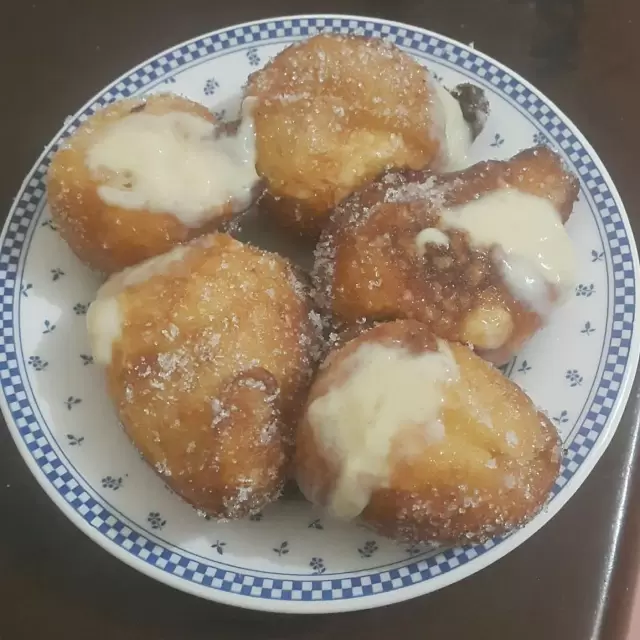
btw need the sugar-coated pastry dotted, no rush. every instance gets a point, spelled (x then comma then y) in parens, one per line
(423, 440)
(143, 175)
(209, 352)
(335, 111)
(481, 256)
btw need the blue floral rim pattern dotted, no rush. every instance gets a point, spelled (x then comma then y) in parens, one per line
(86, 504)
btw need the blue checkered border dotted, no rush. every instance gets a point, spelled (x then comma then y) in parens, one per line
(618, 246)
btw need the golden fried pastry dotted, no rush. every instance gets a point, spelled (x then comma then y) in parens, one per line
(423, 440)
(143, 175)
(209, 352)
(334, 112)
(480, 256)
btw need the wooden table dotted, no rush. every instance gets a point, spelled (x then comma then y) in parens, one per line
(572, 580)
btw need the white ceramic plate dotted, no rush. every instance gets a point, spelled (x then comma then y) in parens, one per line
(291, 558)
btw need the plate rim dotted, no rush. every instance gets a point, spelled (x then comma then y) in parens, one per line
(385, 597)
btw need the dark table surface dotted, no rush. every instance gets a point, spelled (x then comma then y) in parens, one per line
(573, 580)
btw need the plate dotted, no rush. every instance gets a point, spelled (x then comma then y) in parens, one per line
(291, 558)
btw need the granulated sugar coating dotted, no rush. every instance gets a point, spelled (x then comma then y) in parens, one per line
(370, 263)
(476, 459)
(108, 236)
(211, 369)
(211, 348)
(334, 112)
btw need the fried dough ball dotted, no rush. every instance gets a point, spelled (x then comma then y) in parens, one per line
(143, 175)
(209, 351)
(423, 440)
(480, 256)
(335, 111)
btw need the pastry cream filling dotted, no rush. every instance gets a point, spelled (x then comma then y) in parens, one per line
(531, 246)
(453, 130)
(104, 325)
(387, 389)
(104, 318)
(431, 235)
(176, 163)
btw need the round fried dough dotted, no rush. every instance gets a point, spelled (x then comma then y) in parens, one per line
(369, 264)
(209, 351)
(448, 458)
(332, 113)
(105, 236)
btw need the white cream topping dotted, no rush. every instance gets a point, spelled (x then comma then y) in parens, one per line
(534, 251)
(104, 318)
(157, 265)
(387, 390)
(431, 235)
(176, 163)
(487, 327)
(104, 324)
(525, 283)
(454, 131)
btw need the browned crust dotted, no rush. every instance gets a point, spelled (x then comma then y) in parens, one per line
(108, 238)
(475, 483)
(334, 112)
(211, 372)
(296, 216)
(367, 264)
